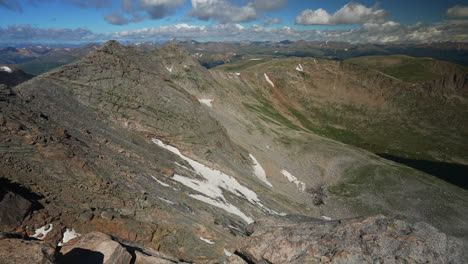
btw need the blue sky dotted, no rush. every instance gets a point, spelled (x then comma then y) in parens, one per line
(225, 18)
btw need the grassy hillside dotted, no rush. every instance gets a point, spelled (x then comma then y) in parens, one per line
(406, 68)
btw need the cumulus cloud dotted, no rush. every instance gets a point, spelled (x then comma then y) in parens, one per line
(388, 32)
(271, 21)
(15, 5)
(155, 9)
(89, 3)
(269, 5)
(28, 33)
(457, 11)
(351, 13)
(11, 4)
(222, 11)
(118, 18)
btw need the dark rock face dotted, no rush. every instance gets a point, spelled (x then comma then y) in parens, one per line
(11, 76)
(364, 240)
(18, 251)
(13, 209)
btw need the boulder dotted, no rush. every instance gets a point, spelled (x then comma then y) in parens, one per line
(362, 240)
(95, 247)
(13, 209)
(234, 259)
(19, 251)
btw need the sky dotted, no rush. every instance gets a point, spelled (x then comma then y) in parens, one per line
(363, 21)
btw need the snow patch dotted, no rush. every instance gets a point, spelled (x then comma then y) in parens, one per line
(206, 102)
(238, 73)
(165, 200)
(227, 253)
(211, 186)
(223, 205)
(259, 171)
(268, 80)
(6, 69)
(160, 182)
(256, 59)
(299, 68)
(68, 235)
(326, 218)
(294, 180)
(207, 240)
(41, 233)
(169, 68)
(182, 166)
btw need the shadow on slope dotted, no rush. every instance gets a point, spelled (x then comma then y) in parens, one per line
(453, 173)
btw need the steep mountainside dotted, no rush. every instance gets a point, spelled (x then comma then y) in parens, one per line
(366, 108)
(151, 147)
(10, 76)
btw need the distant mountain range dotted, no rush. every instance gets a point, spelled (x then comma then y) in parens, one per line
(39, 59)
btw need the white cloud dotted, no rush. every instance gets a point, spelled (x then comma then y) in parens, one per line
(388, 32)
(271, 21)
(11, 4)
(222, 11)
(116, 18)
(157, 9)
(457, 11)
(15, 5)
(351, 13)
(269, 5)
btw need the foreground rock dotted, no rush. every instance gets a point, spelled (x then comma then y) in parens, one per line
(18, 251)
(95, 247)
(363, 240)
(13, 209)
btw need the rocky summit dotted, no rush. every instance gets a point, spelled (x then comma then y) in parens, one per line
(144, 156)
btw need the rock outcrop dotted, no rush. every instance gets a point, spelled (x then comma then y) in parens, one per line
(94, 247)
(376, 239)
(13, 209)
(19, 251)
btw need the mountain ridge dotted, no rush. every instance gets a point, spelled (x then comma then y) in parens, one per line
(151, 147)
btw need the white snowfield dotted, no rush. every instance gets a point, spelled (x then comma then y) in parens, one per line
(215, 180)
(41, 233)
(206, 102)
(326, 218)
(68, 235)
(227, 253)
(294, 180)
(299, 68)
(268, 80)
(6, 69)
(259, 171)
(169, 68)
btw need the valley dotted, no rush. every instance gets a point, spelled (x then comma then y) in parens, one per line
(147, 145)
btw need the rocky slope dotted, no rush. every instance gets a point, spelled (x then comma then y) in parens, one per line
(152, 148)
(296, 239)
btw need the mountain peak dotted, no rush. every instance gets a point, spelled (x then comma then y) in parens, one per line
(112, 46)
